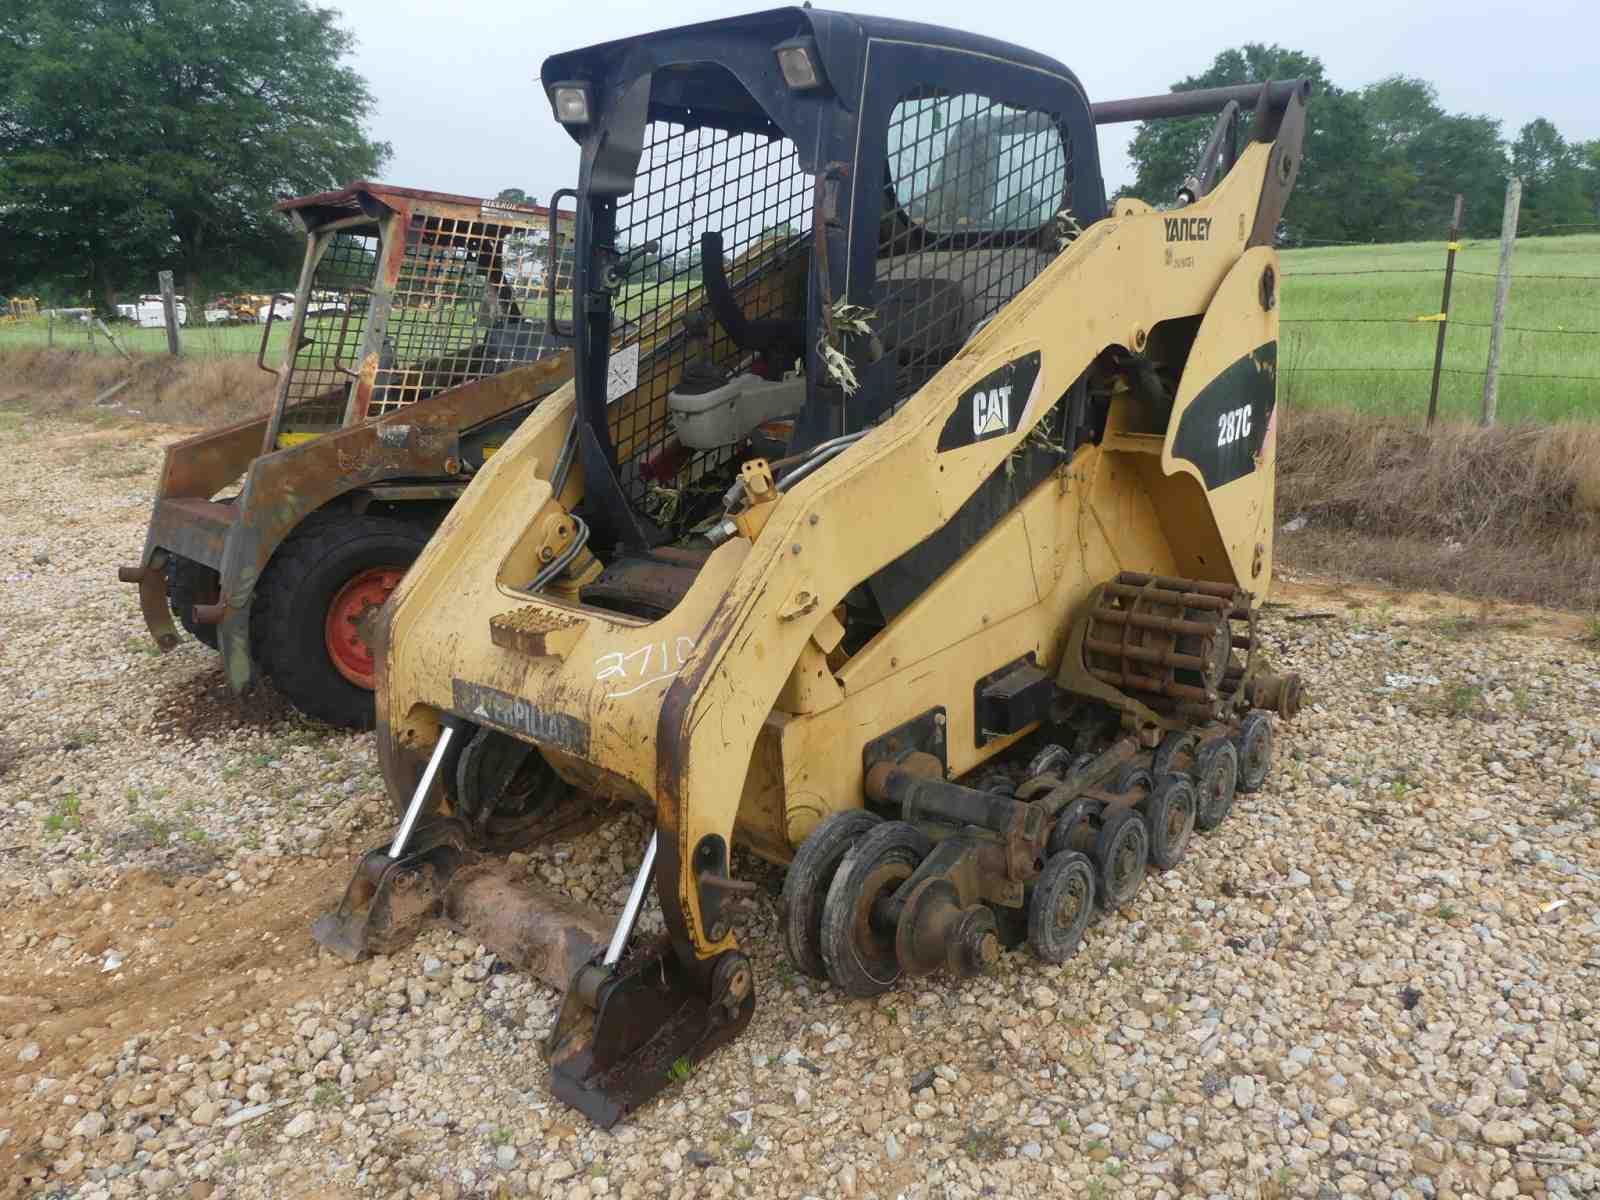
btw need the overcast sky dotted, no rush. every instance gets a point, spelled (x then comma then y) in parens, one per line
(457, 87)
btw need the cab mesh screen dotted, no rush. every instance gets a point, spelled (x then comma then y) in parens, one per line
(324, 367)
(470, 301)
(974, 209)
(748, 188)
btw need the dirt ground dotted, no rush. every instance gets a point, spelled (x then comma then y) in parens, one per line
(1377, 979)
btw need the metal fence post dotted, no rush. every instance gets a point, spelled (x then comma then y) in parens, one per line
(1444, 308)
(169, 308)
(50, 330)
(1502, 293)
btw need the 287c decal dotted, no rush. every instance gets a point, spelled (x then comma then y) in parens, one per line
(1233, 425)
(1225, 426)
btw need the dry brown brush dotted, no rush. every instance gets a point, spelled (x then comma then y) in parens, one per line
(190, 391)
(1510, 512)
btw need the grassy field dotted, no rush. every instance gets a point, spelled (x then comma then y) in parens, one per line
(1348, 340)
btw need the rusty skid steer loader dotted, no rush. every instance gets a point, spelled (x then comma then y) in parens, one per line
(918, 552)
(419, 337)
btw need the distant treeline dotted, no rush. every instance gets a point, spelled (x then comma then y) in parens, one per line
(1383, 163)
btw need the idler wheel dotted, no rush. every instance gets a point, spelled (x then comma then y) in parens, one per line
(1060, 906)
(1121, 857)
(805, 886)
(1216, 775)
(1169, 816)
(1254, 745)
(857, 950)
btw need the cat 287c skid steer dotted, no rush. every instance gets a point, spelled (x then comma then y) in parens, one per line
(918, 550)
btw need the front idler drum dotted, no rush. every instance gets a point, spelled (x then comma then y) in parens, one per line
(858, 934)
(805, 886)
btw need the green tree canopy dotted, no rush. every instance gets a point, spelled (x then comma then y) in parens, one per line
(1383, 163)
(136, 134)
(514, 196)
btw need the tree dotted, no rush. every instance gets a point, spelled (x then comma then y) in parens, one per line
(1458, 153)
(514, 196)
(1165, 152)
(1553, 180)
(136, 133)
(1400, 109)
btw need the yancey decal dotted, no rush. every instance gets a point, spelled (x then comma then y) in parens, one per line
(494, 707)
(992, 407)
(1187, 229)
(1224, 427)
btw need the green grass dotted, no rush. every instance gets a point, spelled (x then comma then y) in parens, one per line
(1332, 353)
(219, 341)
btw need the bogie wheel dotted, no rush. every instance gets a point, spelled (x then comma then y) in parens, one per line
(1121, 857)
(1254, 744)
(1074, 827)
(805, 886)
(1216, 775)
(1169, 816)
(1060, 906)
(1132, 778)
(314, 609)
(1175, 743)
(857, 951)
(190, 583)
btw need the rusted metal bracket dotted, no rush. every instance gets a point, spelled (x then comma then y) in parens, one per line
(652, 1018)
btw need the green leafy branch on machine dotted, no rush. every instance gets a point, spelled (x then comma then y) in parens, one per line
(968, 646)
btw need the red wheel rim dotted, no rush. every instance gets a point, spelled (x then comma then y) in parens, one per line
(353, 608)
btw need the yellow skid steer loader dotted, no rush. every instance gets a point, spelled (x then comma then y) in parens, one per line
(904, 525)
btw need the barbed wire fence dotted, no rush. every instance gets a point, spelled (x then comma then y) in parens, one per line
(1551, 318)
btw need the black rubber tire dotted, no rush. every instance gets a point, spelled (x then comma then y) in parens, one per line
(1121, 858)
(1216, 777)
(1075, 827)
(1066, 883)
(861, 961)
(513, 779)
(291, 606)
(1169, 817)
(1254, 745)
(190, 583)
(805, 886)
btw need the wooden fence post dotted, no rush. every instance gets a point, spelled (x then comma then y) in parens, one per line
(1502, 293)
(169, 308)
(1444, 308)
(50, 330)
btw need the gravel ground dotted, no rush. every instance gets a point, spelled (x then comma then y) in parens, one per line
(1377, 979)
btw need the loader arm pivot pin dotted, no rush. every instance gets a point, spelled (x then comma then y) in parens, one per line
(630, 910)
(424, 785)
